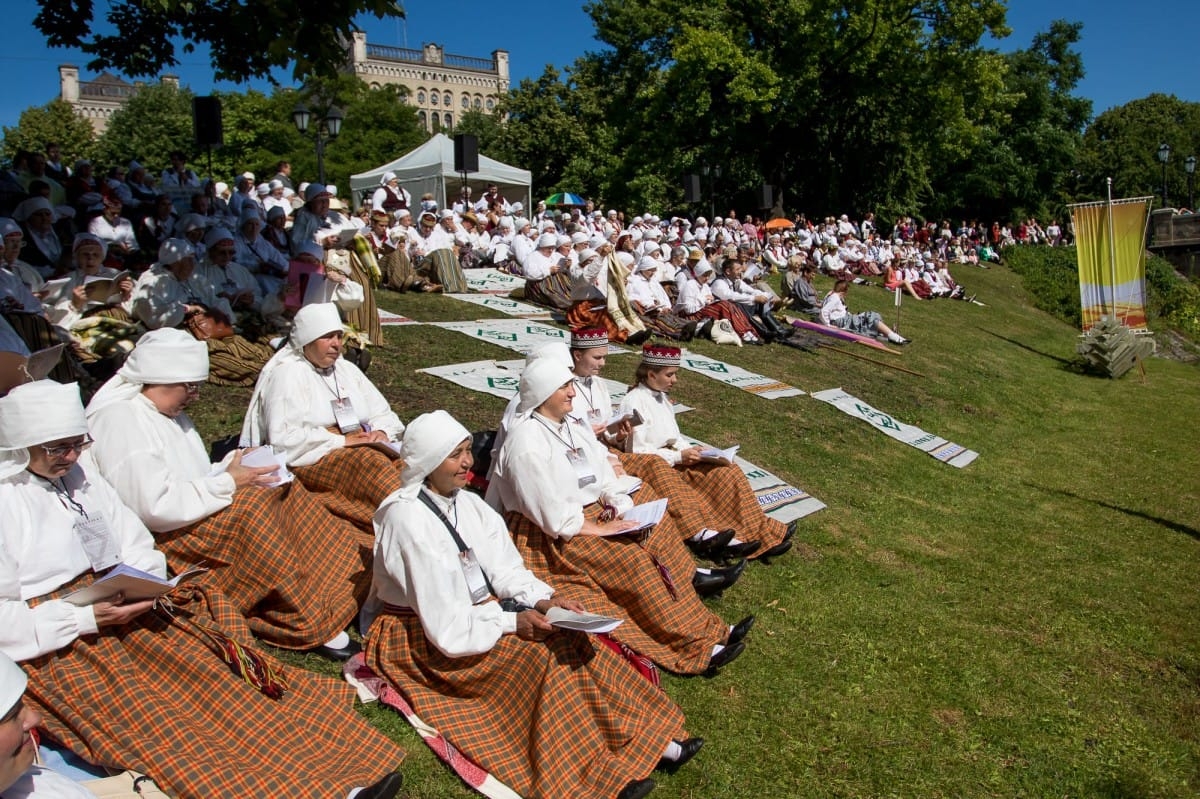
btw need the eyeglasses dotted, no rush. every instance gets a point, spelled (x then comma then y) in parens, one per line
(63, 450)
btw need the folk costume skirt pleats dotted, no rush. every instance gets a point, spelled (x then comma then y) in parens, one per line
(619, 576)
(351, 483)
(556, 718)
(296, 572)
(583, 314)
(443, 268)
(151, 696)
(550, 292)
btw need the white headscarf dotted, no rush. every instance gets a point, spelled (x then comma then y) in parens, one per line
(34, 413)
(556, 352)
(541, 379)
(161, 356)
(12, 683)
(428, 440)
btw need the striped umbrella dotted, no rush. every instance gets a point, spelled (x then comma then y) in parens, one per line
(565, 198)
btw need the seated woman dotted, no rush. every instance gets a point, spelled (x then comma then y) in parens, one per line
(599, 298)
(866, 323)
(122, 683)
(330, 423)
(542, 709)
(652, 304)
(798, 285)
(696, 302)
(295, 571)
(548, 274)
(561, 495)
(720, 491)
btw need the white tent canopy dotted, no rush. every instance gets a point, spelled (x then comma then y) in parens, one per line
(430, 169)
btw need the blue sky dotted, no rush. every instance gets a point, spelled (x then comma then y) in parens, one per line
(1126, 54)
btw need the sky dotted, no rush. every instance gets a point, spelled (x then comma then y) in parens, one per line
(1126, 54)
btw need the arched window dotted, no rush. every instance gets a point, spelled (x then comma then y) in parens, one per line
(478, 102)
(421, 119)
(466, 102)
(449, 120)
(420, 97)
(433, 98)
(490, 103)
(449, 100)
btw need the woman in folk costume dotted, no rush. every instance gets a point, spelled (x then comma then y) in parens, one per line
(652, 304)
(130, 683)
(548, 274)
(293, 569)
(608, 306)
(562, 496)
(432, 249)
(542, 709)
(331, 424)
(720, 492)
(697, 302)
(721, 534)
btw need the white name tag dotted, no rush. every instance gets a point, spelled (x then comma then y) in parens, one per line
(344, 416)
(99, 543)
(473, 574)
(583, 468)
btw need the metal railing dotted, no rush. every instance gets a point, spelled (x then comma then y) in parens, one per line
(103, 89)
(418, 57)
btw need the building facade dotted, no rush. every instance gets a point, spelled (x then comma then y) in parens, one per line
(441, 86)
(96, 100)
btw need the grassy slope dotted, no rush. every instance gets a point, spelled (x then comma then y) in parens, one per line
(1026, 626)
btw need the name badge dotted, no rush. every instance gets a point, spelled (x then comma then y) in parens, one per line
(476, 584)
(593, 417)
(344, 415)
(99, 543)
(583, 468)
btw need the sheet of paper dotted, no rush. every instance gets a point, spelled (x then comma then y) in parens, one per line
(266, 456)
(583, 622)
(646, 515)
(714, 455)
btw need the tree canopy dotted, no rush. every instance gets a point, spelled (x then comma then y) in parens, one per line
(54, 122)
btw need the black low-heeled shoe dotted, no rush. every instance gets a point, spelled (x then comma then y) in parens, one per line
(711, 546)
(638, 789)
(742, 550)
(340, 654)
(740, 631)
(727, 655)
(386, 788)
(689, 749)
(707, 585)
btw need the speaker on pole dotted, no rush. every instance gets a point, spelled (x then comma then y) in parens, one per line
(691, 188)
(466, 153)
(766, 196)
(206, 121)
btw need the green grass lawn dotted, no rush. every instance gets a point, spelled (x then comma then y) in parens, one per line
(1027, 626)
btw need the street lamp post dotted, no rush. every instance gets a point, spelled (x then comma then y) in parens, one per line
(326, 130)
(1189, 166)
(1164, 156)
(712, 173)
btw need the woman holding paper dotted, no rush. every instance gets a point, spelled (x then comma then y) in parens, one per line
(457, 624)
(562, 497)
(295, 570)
(120, 683)
(719, 489)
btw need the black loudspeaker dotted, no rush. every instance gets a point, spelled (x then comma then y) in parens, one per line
(766, 196)
(691, 188)
(466, 153)
(206, 120)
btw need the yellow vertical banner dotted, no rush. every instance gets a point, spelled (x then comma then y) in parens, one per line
(1109, 287)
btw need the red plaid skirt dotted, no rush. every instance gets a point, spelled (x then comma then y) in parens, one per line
(353, 482)
(558, 718)
(617, 577)
(152, 697)
(295, 571)
(725, 498)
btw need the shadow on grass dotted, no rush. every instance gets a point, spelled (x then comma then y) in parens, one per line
(1191, 532)
(1076, 365)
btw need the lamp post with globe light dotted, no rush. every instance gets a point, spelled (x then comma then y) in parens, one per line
(1164, 157)
(325, 131)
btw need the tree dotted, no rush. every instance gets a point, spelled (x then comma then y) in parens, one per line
(156, 120)
(54, 122)
(1122, 143)
(244, 40)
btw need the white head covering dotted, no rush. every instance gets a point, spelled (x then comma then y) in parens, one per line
(216, 235)
(541, 379)
(172, 251)
(262, 189)
(313, 249)
(34, 413)
(646, 264)
(314, 190)
(12, 683)
(161, 356)
(428, 440)
(547, 240)
(26, 208)
(313, 321)
(85, 238)
(251, 213)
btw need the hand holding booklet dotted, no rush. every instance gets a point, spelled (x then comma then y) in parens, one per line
(583, 622)
(646, 515)
(134, 584)
(724, 456)
(614, 424)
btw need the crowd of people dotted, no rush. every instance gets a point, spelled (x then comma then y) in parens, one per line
(459, 567)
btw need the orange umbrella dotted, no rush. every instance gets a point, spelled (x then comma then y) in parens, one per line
(779, 224)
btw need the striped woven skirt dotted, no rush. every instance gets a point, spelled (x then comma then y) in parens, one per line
(556, 718)
(723, 309)
(152, 696)
(351, 483)
(617, 576)
(550, 292)
(296, 572)
(443, 268)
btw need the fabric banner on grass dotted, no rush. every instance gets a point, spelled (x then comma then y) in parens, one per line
(503, 378)
(518, 335)
(782, 502)
(945, 451)
(492, 281)
(1107, 287)
(616, 389)
(389, 319)
(504, 305)
(738, 377)
(373, 688)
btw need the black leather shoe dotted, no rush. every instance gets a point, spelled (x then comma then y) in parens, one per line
(343, 654)
(690, 747)
(688, 332)
(710, 547)
(779, 549)
(638, 789)
(726, 656)
(741, 550)
(638, 338)
(732, 573)
(739, 631)
(386, 788)
(707, 585)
